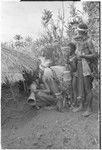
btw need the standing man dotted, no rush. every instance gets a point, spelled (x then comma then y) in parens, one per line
(86, 54)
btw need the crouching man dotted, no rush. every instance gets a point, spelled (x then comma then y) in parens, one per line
(48, 93)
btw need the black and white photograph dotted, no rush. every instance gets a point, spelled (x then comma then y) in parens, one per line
(50, 74)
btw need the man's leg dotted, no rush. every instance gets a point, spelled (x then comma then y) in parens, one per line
(79, 99)
(74, 90)
(89, 95)
(43, 99)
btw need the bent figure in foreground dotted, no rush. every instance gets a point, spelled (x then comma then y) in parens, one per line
(49, 93)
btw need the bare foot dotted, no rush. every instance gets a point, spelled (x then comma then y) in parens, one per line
(80, 108)
(87, 113)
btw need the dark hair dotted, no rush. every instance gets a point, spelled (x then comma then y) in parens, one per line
(83, 26)
(84, 29)
(72, 46)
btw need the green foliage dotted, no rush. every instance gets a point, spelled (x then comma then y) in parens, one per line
(93, 10)
(28, 40)
(18, 37)
(47, 15)
(53, 52)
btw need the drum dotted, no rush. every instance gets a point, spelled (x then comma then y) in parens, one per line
(31, 99)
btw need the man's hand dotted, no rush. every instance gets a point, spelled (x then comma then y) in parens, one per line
(82, 55)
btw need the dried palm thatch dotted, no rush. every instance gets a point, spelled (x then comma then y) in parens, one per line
(13, 63)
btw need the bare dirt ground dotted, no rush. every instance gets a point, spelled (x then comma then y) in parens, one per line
(23, 127)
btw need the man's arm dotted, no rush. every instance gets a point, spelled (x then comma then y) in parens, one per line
(88, 56)
(46, 90)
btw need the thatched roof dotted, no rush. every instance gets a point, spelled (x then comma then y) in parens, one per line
(13, 63)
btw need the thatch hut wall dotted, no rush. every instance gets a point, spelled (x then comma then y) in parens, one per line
(13, 63)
